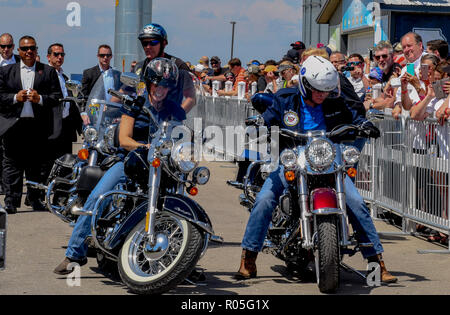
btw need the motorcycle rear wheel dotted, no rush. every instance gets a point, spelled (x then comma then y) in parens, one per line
(327, 258)
(150, 272)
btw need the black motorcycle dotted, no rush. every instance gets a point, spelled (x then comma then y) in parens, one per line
(74, 176)
(150, 227)
(310, 224)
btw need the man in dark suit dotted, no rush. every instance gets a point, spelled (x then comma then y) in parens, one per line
(66, 117)
(104, 71)
(28, 92)
(6, 58)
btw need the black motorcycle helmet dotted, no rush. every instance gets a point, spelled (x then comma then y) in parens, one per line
(161, 71)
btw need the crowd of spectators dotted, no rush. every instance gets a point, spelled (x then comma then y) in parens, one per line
(409, 77)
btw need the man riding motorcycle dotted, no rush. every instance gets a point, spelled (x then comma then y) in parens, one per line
(160, 77)
(153, 38)
(315, 105)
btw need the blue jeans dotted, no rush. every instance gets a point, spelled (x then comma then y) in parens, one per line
(77, 247)
(268, 198)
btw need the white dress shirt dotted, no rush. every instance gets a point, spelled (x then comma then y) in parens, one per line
(4, 62)
(27, 77)
(398, 97)
(62, 83)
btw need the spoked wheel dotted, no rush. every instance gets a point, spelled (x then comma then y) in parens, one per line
(327, 256)
(148, 269)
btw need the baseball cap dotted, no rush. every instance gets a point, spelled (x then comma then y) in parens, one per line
(298, 44)
(398, 47)
(215, 58)
(270, 68)
(376, 73)
(253, 69)
(285, 66)
(254, 62)
(199, 68)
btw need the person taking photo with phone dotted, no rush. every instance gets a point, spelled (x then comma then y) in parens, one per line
(413, 51)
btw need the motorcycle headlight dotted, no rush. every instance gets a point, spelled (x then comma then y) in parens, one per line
(288, 158)
(201, 175)
(320, 154)
(166, 147)
(90, 134)
(351, 155)
(183, 157)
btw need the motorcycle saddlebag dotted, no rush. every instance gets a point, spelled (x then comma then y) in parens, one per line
(89, 177)
(64, 165)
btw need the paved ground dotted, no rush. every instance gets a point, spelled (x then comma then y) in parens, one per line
(36, 243)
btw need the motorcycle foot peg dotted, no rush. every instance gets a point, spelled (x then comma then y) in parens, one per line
(80, 211)
(365, 245)
(243, 201)
(235, 184)
(216, 239)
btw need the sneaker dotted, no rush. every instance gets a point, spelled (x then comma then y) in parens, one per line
(62, 268)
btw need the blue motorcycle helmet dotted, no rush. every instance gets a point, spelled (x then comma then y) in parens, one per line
(154, 31)
(261, 101)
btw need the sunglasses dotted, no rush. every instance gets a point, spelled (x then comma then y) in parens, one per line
(214, 63)
(104, 55)
(6, 46)
(354, 63)
(151, 43)
(379, 56)
(27, 48)
(59, 54)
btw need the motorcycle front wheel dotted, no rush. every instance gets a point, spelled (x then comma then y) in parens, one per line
(147, 269)
(327, 255)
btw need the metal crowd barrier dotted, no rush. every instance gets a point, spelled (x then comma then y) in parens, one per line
(405, 171)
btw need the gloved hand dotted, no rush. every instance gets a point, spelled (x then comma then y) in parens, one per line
(370, 130)
(135, 106)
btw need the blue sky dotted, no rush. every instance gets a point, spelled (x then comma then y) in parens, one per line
(264, 29)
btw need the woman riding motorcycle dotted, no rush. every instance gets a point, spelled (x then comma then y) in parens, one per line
(160, 77)
(315, 105)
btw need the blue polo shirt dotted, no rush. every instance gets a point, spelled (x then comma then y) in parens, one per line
(311, 118)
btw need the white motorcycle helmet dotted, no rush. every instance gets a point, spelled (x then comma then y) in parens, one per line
(317, 73)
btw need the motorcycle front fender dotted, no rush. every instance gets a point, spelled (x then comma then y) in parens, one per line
(177, 204)
(324, 202)
(187, 208)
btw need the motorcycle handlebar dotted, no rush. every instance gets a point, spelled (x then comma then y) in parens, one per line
(330, 134)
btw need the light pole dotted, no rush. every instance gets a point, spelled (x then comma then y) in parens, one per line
(232, 39)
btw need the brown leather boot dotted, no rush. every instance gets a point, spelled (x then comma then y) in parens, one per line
(247, 269)
(386, 276)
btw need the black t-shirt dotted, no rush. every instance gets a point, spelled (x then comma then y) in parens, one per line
(215, 74)
(261, 84)
(386, 77)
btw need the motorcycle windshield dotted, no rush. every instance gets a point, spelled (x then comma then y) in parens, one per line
(101, 113)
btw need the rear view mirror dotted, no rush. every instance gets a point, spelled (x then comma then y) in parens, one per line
(130, 79)
(74, 86)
